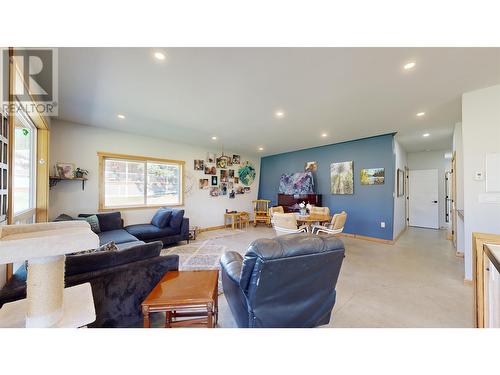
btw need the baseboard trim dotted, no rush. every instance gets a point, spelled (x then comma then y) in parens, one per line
(459, 254)
(400, 234)
(468, 282)
(367, 238)
(207, 229)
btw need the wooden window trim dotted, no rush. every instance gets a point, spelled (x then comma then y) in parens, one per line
(107, 155)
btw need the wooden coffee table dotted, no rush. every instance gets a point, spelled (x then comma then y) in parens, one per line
(188, 298)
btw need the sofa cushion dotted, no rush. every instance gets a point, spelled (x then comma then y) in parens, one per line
(146, 232)
(161, 218)
(117, 236)
(176, 220)
(108, 221)
(76, 264)
(126, 245)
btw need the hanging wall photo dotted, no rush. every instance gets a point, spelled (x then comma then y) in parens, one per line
(247, 173)
(221, 162)
(203, 183)
(401, 183)
(223, 175)
(214, 191)
(199, 165)
(210, 158)
(311, 166)
(342, 178)
(236, 159)
(210, 170)
(223, 189)
(215, 181)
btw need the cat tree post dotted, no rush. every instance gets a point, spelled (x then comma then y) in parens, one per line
(44, 245)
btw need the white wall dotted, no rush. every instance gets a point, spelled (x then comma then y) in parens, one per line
(481, 135)
(459, 175)
(79, 144)
(399, 202)
(433, 160)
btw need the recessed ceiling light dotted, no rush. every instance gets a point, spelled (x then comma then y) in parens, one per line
(409, 65)
(324, 135)
(420, 114)
(214, 138)
(120, 116)
(425, 135)
(279, 114)
(261, 148)
(159, 56)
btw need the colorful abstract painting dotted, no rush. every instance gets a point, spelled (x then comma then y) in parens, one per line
(296, 183)
(246, 174)
(342, 177)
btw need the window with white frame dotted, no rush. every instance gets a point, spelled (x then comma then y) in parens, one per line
(136, 181)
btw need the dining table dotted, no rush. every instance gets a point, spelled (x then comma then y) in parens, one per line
(310, 220)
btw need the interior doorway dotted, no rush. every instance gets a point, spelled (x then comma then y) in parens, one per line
(423, 193)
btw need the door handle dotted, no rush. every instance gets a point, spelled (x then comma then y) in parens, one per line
(434, 201)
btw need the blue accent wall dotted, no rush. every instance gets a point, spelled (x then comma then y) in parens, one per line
(368, 206)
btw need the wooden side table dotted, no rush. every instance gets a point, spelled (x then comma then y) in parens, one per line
(234, 218)
(188, 298)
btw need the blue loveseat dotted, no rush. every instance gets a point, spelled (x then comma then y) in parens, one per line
(168, 226)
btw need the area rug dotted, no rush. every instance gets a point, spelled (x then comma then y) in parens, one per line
(199, 255)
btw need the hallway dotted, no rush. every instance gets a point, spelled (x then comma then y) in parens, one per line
(418, 282)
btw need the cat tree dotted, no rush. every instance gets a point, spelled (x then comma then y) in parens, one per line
(47, 302)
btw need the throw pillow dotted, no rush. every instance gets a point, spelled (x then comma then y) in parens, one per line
(108, 221)
(176, 220)
(93, 221)
(161, 218)
(111, 246)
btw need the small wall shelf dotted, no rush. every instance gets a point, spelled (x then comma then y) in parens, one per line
(53, 181)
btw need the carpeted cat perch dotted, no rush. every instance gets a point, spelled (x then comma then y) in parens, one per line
(47, 303)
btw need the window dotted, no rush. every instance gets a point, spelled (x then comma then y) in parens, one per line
(24, 175)
(135, 181)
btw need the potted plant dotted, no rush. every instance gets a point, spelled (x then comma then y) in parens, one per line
(80, 173)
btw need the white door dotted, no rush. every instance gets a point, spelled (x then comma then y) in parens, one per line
(423, 197)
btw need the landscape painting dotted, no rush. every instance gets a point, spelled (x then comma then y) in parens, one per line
(372, 176)
(342, 178)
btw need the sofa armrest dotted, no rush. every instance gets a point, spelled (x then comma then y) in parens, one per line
(185, 228)
(231, 263)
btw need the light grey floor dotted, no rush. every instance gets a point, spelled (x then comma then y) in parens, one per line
(417, 282)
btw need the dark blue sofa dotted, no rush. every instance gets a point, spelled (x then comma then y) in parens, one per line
(120, 281)
(174, 230)
(171, 228)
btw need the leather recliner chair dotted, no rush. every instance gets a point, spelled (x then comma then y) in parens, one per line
(287, 281)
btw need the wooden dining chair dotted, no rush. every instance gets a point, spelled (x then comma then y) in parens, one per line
(244, 219)
(261, 212)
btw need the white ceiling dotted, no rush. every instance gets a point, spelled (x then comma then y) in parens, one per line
(233, 93)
